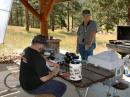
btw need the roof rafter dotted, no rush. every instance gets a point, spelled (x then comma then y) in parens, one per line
(31, 9)
(49, 7)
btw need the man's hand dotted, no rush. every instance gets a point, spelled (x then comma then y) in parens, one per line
(51, 63)
(55, 72)
(51, 74)
(56, 68)
(56, 65)
(77, 49)
(90, 40)
(88, 45)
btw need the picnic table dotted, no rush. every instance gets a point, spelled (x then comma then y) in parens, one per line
(90, 75)
(119, 48)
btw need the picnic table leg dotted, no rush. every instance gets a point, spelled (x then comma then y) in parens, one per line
(109, 87)
(79, 93)
(86, 92)
(108, 93)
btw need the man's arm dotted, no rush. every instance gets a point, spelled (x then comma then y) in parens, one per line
(91, 38)
(92, 35)
(49, 76)
(77, 46)
(43, 73)
(51, 63)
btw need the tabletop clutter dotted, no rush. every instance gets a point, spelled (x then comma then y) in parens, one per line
(70, 65)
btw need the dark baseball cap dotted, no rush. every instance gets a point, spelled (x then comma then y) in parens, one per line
(86, 12)
(40, 39)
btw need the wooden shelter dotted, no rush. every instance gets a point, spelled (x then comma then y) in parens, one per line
(45, 8)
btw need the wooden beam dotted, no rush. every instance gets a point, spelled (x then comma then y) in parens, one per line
(44, 21)
(128, 22)
(59, 1)
(31, 9)
(49, 7)
(128, 15)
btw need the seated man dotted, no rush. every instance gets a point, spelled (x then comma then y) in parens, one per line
(35, 77)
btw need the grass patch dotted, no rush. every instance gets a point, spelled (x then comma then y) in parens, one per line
(18, 38)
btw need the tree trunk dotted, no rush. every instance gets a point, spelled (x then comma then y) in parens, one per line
(27, 20)
(21, 15)
(68, 18)
(53, 21)
(44, 21)
(72, 20)
(61, 24)
(107, 30)
(10, 19)
(33, 22)
(17, 17)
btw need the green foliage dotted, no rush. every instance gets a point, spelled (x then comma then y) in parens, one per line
(107, 13)
(17, 17)
(76, 9)
(60, 12)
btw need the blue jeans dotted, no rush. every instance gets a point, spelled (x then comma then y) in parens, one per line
(52, 86)
(85, 53)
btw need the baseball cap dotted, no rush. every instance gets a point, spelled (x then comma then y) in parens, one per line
(40, 39)
(86, 12)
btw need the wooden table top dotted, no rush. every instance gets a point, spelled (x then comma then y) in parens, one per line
(91, 75)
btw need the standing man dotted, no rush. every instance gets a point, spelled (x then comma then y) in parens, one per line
(35, 77)
(86, 34)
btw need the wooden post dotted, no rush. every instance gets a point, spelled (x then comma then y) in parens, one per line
(45, 8)
(129, 15)
(128, 22)
(44, 22)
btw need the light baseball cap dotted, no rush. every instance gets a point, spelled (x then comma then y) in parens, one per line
(86, 13)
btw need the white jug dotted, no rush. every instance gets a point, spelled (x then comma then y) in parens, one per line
(75, 71)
